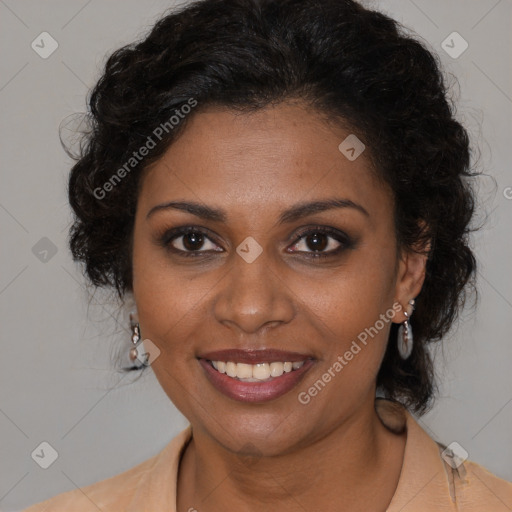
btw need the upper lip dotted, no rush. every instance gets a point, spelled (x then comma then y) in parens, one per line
(254, 356)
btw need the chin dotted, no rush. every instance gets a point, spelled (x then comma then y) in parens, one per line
(266, 433)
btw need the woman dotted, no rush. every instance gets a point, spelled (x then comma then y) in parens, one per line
(283, 189)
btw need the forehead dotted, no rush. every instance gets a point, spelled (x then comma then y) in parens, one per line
(262, 160)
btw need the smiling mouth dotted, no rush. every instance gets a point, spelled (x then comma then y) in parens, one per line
(256, 376)
(259, 372)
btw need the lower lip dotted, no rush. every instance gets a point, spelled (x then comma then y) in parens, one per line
(255, 391)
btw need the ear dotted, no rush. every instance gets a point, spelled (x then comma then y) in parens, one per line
(410, 278)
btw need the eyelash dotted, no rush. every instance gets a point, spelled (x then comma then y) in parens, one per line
(170, 235)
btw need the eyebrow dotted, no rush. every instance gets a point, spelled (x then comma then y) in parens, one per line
(293, 214)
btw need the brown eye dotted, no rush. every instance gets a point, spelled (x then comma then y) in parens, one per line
(188, 241)
(321, 242)
(193, 241)
(317, 241)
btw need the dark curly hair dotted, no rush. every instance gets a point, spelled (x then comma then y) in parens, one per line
(357, 67)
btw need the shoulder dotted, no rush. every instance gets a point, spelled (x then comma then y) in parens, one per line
(477, 489)
(122, 491)
(433, 477)
(117, 490)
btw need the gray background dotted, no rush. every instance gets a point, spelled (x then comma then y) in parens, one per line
(58, 348)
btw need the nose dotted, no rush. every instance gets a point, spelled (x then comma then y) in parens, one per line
(253, 297)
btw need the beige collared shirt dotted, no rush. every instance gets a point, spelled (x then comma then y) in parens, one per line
(427, 482)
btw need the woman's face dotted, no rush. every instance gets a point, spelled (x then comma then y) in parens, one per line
(245, 278)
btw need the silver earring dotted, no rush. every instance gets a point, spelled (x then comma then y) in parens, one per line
(135, 327)
(405, 339)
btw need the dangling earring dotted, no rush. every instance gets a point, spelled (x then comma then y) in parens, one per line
(404, 339)
(134, 324)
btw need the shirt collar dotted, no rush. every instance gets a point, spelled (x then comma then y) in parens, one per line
(423, 484)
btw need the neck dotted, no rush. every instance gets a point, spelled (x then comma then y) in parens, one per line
(357, 461)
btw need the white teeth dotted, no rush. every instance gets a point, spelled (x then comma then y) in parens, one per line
(256, 372)
(231, 369)
(276, 369)
(243, 371)
(261, 371)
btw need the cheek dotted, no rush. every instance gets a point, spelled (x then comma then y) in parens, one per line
(355, 314)
(353, 298)
(161, 300)
(172, 303)
(168, 308)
